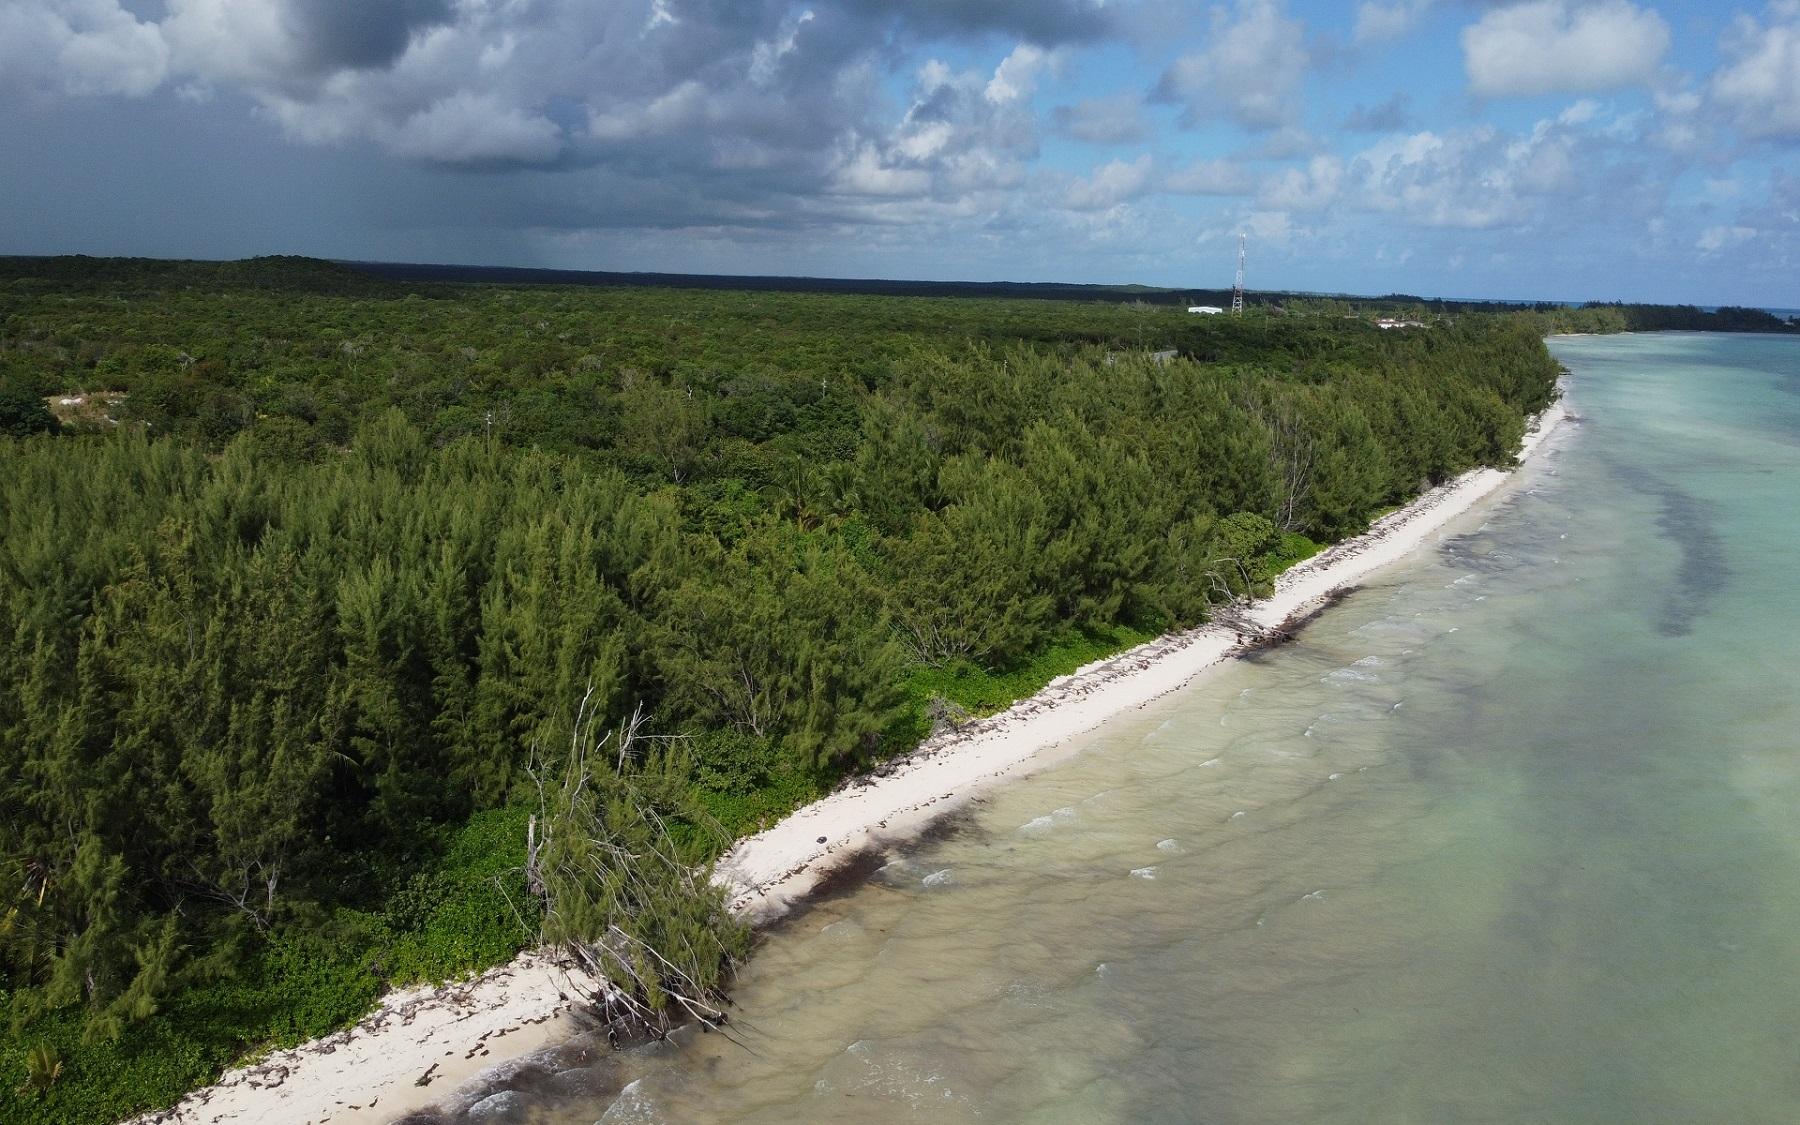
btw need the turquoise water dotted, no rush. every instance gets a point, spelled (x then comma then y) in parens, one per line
(1509, 834)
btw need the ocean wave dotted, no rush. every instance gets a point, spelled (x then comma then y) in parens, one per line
(1040, 824)
(631, 1107)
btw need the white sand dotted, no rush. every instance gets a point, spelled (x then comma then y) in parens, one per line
(369, 1073)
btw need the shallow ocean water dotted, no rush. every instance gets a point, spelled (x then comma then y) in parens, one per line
(1508, 834)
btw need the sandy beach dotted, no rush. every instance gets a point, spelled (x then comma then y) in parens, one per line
(767, 873)
(419, 1045)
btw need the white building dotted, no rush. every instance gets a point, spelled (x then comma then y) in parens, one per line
(1209, 310)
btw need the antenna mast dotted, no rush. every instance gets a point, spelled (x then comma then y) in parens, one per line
(1237, 289)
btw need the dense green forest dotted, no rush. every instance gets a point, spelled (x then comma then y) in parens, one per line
(309, 580)
(1600, 317)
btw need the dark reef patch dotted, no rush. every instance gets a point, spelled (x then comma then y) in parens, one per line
(1703, 570)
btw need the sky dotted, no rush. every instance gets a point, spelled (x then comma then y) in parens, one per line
(1535, 149)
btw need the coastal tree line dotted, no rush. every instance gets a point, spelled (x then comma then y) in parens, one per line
(289, 639)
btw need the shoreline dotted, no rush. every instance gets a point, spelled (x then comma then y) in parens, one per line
(770, 873)
(422, 1046)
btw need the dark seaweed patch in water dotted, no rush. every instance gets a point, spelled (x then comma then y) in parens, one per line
(1260, 645)
(1702, 572)
(1293, 625)
(852, 872)
(844, 877)
(1475, 552)
(847, 875)
(958, 822)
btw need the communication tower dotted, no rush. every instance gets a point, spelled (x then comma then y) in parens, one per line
(1237, 288)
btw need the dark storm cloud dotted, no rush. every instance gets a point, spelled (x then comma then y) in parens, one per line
(844, 131)
(1044, 22)
(359, 34)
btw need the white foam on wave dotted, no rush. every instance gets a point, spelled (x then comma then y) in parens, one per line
(938, 878)
(1144, 872)
(630, 1105)
(1242, 696)
(1040, 824)
(1171, 845)
(1208, 762)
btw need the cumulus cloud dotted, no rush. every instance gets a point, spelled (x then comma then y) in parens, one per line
(1759, 84)
(1252, 68)
(1118, 119)
(765, 59)
(1384, 22)
(811, 124)
(1015, 79)
(1485, 178)
(668, 89)
(1430, 179)
(291, 40)
(1679, 126)
(865, 171)
(80, 47)
(1274, 229)
(962, 142)
(1110, 184)
(1311, 188)
(1211, 177)
(1783, 204)
(1554, 46)
(470, 128)
(1712, 240)
(1770, 224)
(1285, 143)
(1390, 116)
(752, 85)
